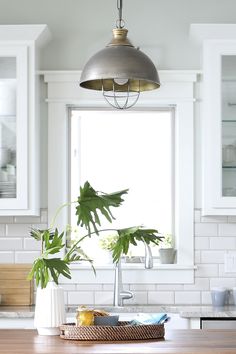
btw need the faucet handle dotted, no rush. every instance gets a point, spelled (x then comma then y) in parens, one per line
(125, 295)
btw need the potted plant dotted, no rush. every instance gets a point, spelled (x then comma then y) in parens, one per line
(167, 252)
(106, 243)
(90, 206)
(50, 307)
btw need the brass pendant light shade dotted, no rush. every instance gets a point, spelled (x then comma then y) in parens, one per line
(120, 71)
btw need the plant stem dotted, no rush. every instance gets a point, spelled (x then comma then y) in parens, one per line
(58, 212)
(91, 233)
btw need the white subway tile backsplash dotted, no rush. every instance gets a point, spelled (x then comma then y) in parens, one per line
(173, 287)
(142, 287)
(206, 229)
(88, 287)
(19, 230)
(126, 286)
(215, 219)
(26, 219)
(68, 287)
(201, 243)
(187, 297)
(80, 298)
(212, 256)
(26, 257)
(108, 287)
(207, 270)
(206, 298)
(160, 297)
(7, 257)
(140, 298)
(30, 244)
(199, 284)
(103, 297)
(222, 273)
(40, 226)
(227, 230)
(213, 237)
(11, 244)
(223, 282)
(219, 243)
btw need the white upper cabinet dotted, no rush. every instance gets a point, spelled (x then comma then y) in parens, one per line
(19, 118)
(218, 117)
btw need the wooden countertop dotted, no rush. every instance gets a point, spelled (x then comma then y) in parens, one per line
(176, 342)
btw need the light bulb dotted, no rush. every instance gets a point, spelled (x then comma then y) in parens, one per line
(121, 81)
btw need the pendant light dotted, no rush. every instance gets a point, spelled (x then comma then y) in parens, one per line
(120, 70)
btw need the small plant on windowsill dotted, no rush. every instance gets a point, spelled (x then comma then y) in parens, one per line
(167, 252)
(90, 206)
(167, 241)
(106, 243)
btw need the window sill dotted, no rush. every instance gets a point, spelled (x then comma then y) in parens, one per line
(134, 274)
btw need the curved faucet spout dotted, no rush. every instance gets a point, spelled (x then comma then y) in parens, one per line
(148, 256)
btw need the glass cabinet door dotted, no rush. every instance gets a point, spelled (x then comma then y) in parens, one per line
(228, 114)
(13, 127)
(217, 106)
(20, 85)
(219, 128)
(8, 165)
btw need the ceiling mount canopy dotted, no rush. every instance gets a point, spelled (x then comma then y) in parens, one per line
(120, 70)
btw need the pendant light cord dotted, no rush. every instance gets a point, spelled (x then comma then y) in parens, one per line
(120, 23)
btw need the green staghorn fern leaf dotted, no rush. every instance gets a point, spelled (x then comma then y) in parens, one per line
(91, 203)
(130, 236)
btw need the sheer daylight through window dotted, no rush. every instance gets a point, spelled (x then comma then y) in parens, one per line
(119, 150)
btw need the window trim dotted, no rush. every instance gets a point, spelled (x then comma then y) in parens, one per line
(176, 91)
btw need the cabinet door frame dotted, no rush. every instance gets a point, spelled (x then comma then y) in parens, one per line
(213, 203)
(20, 52)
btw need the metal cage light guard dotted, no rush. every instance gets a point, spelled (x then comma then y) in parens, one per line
(120, 70)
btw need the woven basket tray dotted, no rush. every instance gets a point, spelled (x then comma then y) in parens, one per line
(122, 332)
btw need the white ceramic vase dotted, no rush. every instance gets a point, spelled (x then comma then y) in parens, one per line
(49, 309)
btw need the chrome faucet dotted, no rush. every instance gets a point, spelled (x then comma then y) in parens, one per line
(148, 256)
(119, 293)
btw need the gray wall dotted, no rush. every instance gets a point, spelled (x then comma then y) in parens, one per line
(81, 27)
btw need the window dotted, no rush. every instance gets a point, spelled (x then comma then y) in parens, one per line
(177, 91)
(119, 150)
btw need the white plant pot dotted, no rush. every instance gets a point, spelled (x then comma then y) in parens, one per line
(167, 255)
(49, 309)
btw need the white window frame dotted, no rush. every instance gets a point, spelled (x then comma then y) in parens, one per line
(176, 91)
(75, 161)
